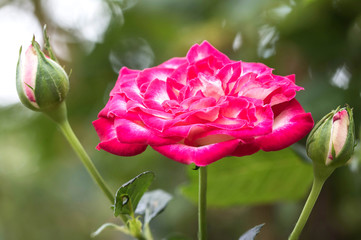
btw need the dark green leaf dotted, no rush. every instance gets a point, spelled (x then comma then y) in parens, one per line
(128, 195)
(251, 234)
(264, 177)
(153, 203)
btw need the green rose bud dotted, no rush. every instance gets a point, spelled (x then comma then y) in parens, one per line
(42, 84)
(331, 142)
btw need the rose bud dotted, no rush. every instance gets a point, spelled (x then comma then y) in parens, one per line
(42, 84)
(331, 142)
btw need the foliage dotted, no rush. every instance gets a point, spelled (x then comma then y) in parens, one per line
(256, 179)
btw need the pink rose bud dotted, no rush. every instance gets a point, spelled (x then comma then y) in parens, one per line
(331, 142)
(42, 84)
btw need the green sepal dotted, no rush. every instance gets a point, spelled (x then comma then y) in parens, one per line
(52, 82)
(47, 45)
(318, 140)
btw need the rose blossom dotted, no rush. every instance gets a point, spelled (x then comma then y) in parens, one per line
(201, 108)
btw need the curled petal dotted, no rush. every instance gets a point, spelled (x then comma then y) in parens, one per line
(201, 156)
(157, 93)
(109, 142)
(272, 89)
(291, 124)
(204, 50)
(125, 75)
(258, 68)
(229, 74)
(150, 74)
(129, 88)
(116, 106)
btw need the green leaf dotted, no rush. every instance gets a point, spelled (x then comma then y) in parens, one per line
(264, 177)
(128, 195)
(251, 234)
(122, 229)
(153, 203)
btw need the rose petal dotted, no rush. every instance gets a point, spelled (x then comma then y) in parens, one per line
(201, 156)
(121, 149)
(108, 140)
(128, 87)
(173, 63)
(258, 68)
(131, 132)
(148, 75)
(116, 106)
(234, 88)
(157, 93)
(30, 66)
(291, 124)
(246, 148)
(198, 52)
(339, 131)
(208, 66)
(229, 74)
(125, 75)
(272, 89)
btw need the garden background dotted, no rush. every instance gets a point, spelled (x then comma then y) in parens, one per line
(45, 192)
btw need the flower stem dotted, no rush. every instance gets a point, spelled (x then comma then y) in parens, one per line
(59, 116)
(202, 204)
(147, 232)
(320, 176)
(85, 159)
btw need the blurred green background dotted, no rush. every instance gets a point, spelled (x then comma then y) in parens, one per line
(45, 192)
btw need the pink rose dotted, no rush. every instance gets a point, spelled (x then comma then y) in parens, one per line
(201, 108)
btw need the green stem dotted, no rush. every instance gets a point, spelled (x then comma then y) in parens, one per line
(202, 204)
(59, 115)
(147, 232)
(320, 176)
(85, 159)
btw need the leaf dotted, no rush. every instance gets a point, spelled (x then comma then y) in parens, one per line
(128, 195)
(251, 234)
(122, 229)
(153, 203)
(264, 177)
